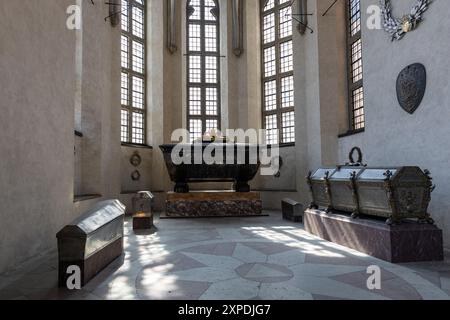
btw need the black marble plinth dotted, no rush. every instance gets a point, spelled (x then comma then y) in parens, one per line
(406, 242)
(213, 204)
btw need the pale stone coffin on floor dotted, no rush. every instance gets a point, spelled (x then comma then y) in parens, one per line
(92, 241)
(406, 242)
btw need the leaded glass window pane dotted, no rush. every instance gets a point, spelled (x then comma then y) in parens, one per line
(355, 66)
(203, 67)
(133, 76)
(277, 71)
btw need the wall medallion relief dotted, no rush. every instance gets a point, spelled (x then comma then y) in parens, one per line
(136, 161)
(411, 86)
(136, 175)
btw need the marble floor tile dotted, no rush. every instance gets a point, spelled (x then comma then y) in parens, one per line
(179, 290)
(392, 287)
(322, 270)
(220, 262)
(221, 249)
(325, 286)
(268, 248)
(431, 276)
(321, 297)
(236, 289)
(244, 253)
(232, 234)
(288, 258)
(212, 274)
(264, 272)
(281, 291)
(335, 260)
(221, 259)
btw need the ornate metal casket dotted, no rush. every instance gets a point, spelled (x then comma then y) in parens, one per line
(319, 186)
(341, 182)
(393, 193)
(92, 241)
(239, 172)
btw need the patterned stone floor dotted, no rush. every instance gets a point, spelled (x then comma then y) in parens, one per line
(247, 258)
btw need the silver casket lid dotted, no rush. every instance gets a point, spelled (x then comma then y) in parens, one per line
(321, 173)
(95, 218)
(345, 173)
(376, 174)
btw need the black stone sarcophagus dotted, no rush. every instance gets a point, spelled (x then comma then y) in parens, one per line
(92, 241)
(394, 193)
(240, 169)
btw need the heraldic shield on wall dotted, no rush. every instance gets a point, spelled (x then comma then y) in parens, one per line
(411, 86)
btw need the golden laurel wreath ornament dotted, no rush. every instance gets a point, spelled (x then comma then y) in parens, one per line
(398, 28)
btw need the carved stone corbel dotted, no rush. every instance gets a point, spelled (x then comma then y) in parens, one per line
(171, 26)
(237, 9)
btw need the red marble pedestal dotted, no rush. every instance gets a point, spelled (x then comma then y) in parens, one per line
(406, 242)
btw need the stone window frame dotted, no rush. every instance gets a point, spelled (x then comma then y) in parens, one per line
(279, 111)
(203, 54)
(127, 131)
(356, 110)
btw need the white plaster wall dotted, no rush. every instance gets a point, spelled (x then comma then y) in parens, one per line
(78, 184)
(37, 56)
(287, 179)
(100, 123)
(41, 99)
(392, 136)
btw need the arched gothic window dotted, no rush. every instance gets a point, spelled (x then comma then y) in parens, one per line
(277, 71)
(355, 66)
(133, 80)
(203, 67)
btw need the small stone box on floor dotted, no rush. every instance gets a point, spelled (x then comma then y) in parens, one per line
(213, 204)
(292, 210)
(406, 242)
(142, 201)
(142, 221)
